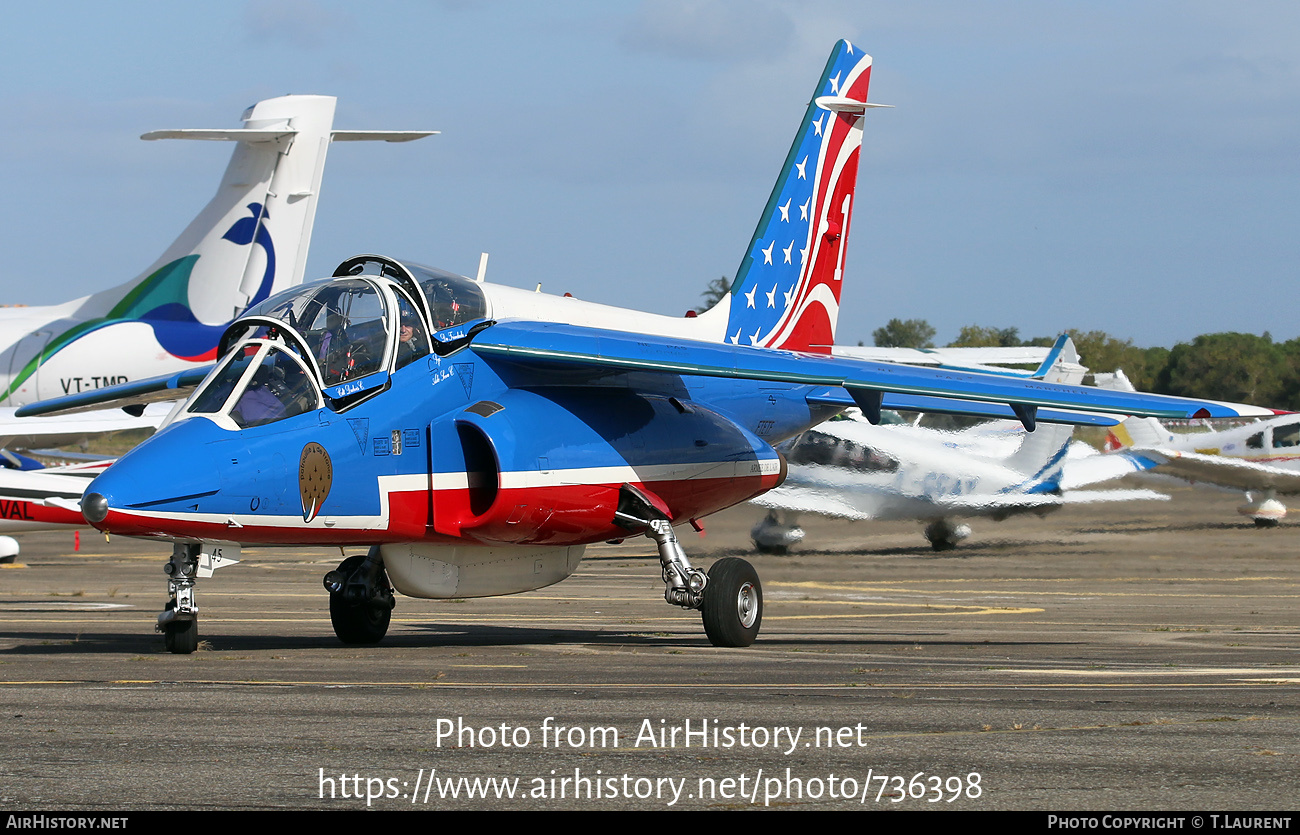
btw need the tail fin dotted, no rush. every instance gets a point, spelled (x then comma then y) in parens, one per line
(250, 241)
(1041, 454)
(787, 289)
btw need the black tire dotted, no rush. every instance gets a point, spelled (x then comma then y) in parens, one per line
(733, 603)
(779, 550)
(181, 637)
(1262, 522)
(362, 623)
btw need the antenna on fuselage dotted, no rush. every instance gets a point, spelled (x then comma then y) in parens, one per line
(482, 267)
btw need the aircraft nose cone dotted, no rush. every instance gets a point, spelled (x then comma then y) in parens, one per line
(94, 507)
(169, 472)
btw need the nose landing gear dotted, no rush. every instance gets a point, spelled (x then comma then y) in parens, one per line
(179, 621)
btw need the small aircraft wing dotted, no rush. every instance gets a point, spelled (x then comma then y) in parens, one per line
(132, 397)
(837, 504)
(1220, 470)
(810, 500)
(970, 359)
(27, 433)
(1118, 495)
(544, 344)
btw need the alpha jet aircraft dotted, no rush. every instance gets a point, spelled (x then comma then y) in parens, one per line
(478, 437)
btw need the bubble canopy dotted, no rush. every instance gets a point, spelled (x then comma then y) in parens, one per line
(332, 343)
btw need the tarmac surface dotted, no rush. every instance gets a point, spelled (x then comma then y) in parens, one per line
(1139, 656)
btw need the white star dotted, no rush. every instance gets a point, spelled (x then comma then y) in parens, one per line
(749, 297)
(767, 253)
(800, 166)
(787, 251)
(789, 296)
(803, 210)
(817, 125)
(771, 297)
(753, 340)
(735, 340)
(803, 255)
(849, 46)
(785, 211)
(835, 85)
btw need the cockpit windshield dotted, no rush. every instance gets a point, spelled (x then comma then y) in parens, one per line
(343, 322)
(334, 342)
(260, 383)
(452, 299)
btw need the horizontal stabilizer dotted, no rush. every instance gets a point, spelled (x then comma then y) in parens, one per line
(223, 134)
(1094, 496)
(381, 135)
(277, 133)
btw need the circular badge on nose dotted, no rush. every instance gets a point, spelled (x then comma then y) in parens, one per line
(315, 475)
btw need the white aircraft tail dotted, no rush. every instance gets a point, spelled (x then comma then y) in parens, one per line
(250, 241)
(1041, 455)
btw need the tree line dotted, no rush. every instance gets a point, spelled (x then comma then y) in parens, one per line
(1240, 367)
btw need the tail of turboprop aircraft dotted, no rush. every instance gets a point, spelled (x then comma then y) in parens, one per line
(787, 289)
(250, 241)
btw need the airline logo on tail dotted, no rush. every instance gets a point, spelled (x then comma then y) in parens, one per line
(162, 301)
(174, 324)
(787, 290)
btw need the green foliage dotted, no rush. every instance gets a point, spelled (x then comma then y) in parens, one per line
(1229, 366)
(913, 333)
(716, 291)
(1238, 367)
(1102, 352)
(975, 336)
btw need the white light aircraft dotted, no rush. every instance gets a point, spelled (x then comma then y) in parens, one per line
(849, 469)
(249, 242)
(1260, 458)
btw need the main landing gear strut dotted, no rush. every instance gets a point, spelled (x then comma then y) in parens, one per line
(361, 600)
(729, 597)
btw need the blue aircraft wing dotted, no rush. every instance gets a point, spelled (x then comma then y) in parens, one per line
(968, 408)
(132, 397)
(547, 344)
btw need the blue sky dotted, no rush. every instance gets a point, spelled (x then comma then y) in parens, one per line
(1131, 167)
